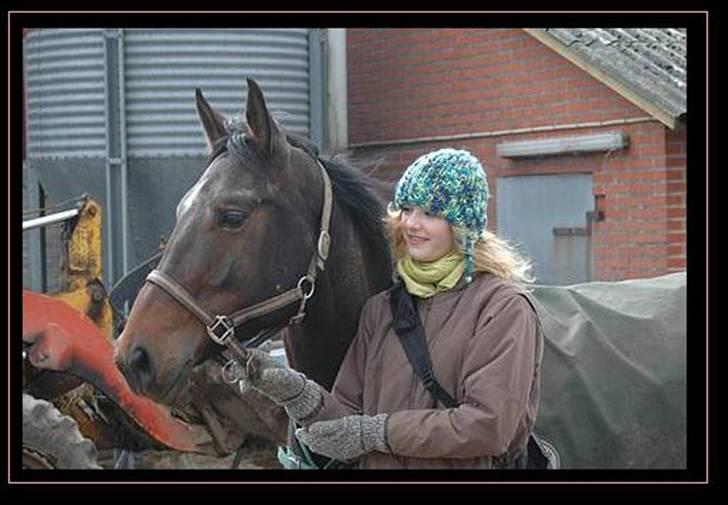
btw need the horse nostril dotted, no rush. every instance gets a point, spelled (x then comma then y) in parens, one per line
(140, 369)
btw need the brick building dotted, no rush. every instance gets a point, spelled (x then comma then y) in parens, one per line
(582, 133)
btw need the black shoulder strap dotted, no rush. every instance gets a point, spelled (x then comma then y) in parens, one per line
(408, 327)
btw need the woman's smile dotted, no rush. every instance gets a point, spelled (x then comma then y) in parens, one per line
(428, 237)
(414, 240)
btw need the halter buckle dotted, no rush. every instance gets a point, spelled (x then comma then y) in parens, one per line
(228, 329)
(324, 243)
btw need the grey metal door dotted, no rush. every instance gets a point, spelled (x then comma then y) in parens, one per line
(546, 217)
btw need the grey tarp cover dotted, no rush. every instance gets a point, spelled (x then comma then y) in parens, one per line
(614, 372)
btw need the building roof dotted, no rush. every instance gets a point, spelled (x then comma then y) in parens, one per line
(645, 65)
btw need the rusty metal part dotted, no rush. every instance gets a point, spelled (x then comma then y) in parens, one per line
(68, 337)
(62, 339)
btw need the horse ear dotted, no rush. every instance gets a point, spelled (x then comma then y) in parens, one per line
(212, 121)
(264, 128)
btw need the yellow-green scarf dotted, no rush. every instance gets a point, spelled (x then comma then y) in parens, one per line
(427, 279)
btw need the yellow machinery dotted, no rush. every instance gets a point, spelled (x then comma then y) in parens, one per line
(81, 270)
(68, 349)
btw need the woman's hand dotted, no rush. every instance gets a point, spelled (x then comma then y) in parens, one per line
(266, 374)
(285, 386)
(346, 438)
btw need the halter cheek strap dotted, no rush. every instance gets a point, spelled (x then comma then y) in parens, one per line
(220, 328)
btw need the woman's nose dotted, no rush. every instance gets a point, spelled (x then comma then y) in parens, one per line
(412, 219)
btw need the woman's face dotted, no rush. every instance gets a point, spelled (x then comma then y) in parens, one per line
(428, 237)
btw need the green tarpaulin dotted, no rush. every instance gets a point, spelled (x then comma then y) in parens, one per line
(614, 372)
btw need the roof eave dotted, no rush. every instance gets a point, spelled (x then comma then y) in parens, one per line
(659, 113)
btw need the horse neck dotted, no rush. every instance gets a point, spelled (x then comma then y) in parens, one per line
(356, 269)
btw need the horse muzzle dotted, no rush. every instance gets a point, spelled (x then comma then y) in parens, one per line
(136, 367)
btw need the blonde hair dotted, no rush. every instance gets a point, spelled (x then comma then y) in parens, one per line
(491, 253)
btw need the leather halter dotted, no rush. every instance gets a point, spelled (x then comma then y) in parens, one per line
(220, 328)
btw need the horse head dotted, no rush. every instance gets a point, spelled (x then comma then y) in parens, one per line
(249, 231)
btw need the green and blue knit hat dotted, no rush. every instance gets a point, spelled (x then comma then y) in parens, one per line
(452, 184)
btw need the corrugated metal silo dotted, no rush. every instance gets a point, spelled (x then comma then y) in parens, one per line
(111, 113)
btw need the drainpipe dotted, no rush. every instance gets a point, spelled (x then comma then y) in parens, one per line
(337, 136)
(116, 159)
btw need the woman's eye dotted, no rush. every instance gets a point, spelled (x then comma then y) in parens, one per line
(231, 218)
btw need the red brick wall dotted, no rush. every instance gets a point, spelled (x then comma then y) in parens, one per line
(632, 240)
(419, 83)
(676, 162)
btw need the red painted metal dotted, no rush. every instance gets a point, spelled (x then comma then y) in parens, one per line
(65, 340)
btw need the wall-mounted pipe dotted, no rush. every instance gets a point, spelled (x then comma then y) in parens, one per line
(49, 219)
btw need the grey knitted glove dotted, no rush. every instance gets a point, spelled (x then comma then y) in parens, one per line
(346, 438)
(299, 395)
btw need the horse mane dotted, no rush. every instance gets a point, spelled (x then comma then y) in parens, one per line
(358, 194)
(355, 191)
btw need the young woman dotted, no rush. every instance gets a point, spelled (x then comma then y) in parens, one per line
(482, 333)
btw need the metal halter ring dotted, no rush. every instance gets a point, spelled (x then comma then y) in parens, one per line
(231, 372)
(308, 295)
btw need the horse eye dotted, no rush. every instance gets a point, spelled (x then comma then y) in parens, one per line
(231, 218)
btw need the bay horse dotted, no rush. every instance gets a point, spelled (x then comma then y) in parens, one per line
(251, 230)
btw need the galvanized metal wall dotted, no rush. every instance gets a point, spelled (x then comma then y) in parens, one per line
(163, 67)
(64, 86)
(112, 113)
(41, 246)
(64, 73)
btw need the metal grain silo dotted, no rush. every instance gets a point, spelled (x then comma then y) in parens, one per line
(111, 113)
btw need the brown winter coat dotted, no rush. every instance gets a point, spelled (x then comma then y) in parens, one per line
(486, 347)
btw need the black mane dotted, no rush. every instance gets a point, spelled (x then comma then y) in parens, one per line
(353, 190)
(357, 193)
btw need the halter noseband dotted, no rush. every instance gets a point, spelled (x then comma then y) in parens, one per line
(220, 328)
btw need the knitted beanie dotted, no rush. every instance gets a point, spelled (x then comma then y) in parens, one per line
(451, 184)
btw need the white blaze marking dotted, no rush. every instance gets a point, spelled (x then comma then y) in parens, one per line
(191, 196)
